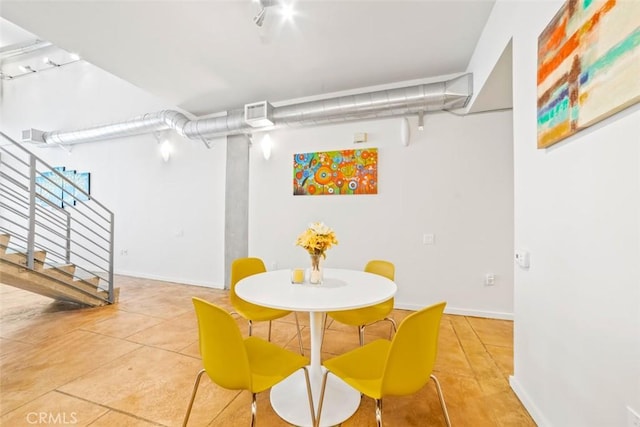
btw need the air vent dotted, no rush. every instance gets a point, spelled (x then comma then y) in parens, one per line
(33, 135)
(258, 114)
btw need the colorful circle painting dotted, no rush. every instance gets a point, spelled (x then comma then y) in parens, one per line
(345, 172)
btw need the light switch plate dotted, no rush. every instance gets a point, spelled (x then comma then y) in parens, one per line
(522, 258)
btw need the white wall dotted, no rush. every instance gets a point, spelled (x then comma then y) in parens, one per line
(577, 211)
(454, 180)
(169, 217)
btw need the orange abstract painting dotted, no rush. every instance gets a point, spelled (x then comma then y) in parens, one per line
(336, 172)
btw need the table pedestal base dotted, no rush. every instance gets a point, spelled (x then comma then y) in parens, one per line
(289, 400)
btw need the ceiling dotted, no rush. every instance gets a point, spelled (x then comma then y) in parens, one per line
(205, 57)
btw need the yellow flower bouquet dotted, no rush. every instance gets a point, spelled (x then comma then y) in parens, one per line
(316, 239)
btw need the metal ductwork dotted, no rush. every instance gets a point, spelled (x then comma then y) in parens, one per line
(451, 94)
(148, 123)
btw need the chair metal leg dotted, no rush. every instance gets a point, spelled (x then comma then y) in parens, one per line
(441, 397)
(324, 385)
(394, 327)
(254, 409)
(269, 336)
(193, 396)
(361, 328)
(310, 395)
(379, 412)
(299, 335)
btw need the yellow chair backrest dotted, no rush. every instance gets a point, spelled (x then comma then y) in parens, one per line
(413, 352)
(241, 268)
(381, 268)
(222, 349)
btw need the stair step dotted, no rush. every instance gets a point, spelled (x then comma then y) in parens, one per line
(67, 268)
(63, 272)
(4, 242)
(89, 285)
(66, 273)
(77, 291)
(21, 258)
(57, 281)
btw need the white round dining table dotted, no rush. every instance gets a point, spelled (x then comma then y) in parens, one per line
(341, 289)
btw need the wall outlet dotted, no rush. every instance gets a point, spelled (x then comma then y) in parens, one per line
(633, 419)
(428, 239)
(489, 279)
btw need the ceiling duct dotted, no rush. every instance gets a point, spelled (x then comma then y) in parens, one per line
(32, 135)
(259, 114)
(450, 94)
(147, 123)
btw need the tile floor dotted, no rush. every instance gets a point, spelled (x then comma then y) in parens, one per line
(133, 364)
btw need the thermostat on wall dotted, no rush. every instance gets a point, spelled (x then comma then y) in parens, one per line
(359, 137)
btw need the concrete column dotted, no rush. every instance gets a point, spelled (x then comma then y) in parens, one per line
(236, 229)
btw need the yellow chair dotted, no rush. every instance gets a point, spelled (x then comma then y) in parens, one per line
(235, 363)
(362, 317)
(245, 267)
(393, 368)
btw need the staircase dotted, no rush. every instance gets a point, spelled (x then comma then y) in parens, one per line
(55, 239)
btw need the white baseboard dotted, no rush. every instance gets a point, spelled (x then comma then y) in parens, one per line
(216, 285)
(461, 311)
(527, 402)
(179, 280)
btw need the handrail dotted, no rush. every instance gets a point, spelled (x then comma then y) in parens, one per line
(40, 217)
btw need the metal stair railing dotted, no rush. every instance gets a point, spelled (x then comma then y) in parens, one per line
(38, 213)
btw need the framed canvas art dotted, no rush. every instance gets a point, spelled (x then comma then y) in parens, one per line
(49, 188)
(68, 192)
(588, 66)
(83, 181)
(331, 173)
(58, 192)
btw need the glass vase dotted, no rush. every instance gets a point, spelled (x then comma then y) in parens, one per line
(315, 273)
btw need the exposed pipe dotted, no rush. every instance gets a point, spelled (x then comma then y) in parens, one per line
(147, 123)
(394, 102)
(450, 94)
(22, 48)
